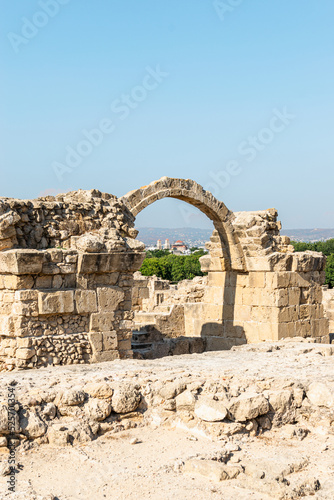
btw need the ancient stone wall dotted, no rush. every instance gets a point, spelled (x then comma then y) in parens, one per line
(72, 303)
(279, 296)
(328, 303)
(66, 279)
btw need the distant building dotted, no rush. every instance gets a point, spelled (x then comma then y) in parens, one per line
(159, 246)
(179, 247)
(167, 244)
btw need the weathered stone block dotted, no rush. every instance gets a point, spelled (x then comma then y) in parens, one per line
(102, 322)
(96, 341)
(109, 340)
(109, 262)
(13, 282)
(99, 357)
(25, 353)
(56, 302)
(21, 262)
(44, 282)
(26, 295)
(257, 279)
(109, 298)
(294, 296)
(85, 301)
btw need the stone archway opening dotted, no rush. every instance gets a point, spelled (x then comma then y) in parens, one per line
(189, 312)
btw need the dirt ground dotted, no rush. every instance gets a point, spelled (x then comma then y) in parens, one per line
(148, 462)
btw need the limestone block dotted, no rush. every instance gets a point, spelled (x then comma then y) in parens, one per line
(44, 282)
(25, 353)
(26, 295)
(109, 341)
(56, 302)
(259, 313)
(314, 327)
(10, 325)
(286, 330)
(255, 263)
(13, 282)
(257, 279)
(102, 321)
(25, 308)
(185, 401)
(303, 328)
(101, 390)
(250, 296)
(280, 400)
(50, 268)
(243, 312)
(210, 410)
(308, 261)
(99, 357)
(301, 279)
(124, 345)
(109, 298)
(248, 406)
(126, 398)
(7, 243)
(96, 341)
(217, 279)
(21, 262)
(282, 297)
(24, 342)
(234, 295)
(229, 311)
(294, 296)
(265, 297)
(305, 311)
(281, 261)
(321, 394)
(267, 331)
(72, 397)
(287, 314)
(31, 424)
(56, 255)
(85, 301)
(98, 409)
(214, 295)
(323, 327)
(110, 262)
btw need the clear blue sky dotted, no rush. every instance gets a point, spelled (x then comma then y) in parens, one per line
(181, 88)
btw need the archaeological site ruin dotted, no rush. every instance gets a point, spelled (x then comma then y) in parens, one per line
(71, 291)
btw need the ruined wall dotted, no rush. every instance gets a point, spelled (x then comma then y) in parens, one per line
(66, 279)
(328, 303)
(72, 303)
(280, 296)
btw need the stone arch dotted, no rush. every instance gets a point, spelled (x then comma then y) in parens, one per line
(229, 252)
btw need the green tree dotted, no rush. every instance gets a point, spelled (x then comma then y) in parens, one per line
(330, 271)
(150, 267)
(172, 267)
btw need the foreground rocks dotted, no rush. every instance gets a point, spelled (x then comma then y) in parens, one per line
(281, 391)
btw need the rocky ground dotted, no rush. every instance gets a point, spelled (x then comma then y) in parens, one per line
(256, 422)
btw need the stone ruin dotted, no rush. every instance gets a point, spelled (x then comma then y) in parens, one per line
(67, 267)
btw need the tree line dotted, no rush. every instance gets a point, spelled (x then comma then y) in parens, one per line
(171, 267)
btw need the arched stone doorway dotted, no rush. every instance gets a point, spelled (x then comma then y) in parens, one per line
(231, 253)
(258, 287)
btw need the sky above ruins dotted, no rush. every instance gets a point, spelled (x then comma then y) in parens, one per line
(112, 94)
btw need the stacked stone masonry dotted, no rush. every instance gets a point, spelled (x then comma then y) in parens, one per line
(66, 278)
